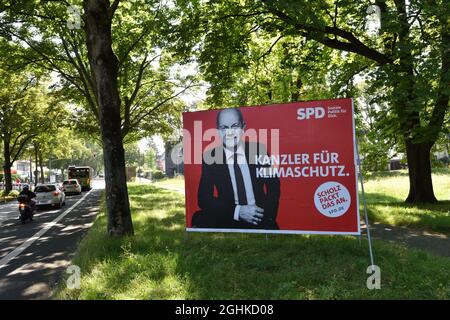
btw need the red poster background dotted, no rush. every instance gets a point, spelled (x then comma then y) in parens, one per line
(297, 212)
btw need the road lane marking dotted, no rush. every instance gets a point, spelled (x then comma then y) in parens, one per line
(4, 262)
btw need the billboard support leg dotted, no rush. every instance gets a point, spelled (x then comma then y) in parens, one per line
(369, 238)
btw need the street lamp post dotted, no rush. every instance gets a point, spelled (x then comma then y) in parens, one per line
(31, 170)
(50, 170)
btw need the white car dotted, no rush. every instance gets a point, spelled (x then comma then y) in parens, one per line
(71, 186)
(49, 195)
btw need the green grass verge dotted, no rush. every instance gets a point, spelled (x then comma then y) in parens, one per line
(385, 194)
(6, 199)
(177, 183)
(160, 263)
(385, 202)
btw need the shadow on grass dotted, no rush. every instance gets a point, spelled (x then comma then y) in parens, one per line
(379, 198)
(162, 262)
(390, 210)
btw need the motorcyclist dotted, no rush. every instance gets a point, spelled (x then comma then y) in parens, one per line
(30, 194)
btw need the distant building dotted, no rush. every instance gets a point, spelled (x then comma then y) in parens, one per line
(442, 156)
(22, 168)
(396, 164)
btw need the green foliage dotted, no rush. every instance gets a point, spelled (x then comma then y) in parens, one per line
(150, 159)
(440, 163)
(28, 111)
(85, 152)
(157, 175)
(133, 156)
(376, 144)
(137, 158)
(13, 193)
(14, 176)
(148, 88)
(442, 148)
(258, 52)
(261, 51)
(375, 157)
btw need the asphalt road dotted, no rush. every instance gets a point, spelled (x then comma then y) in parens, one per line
(34, 256)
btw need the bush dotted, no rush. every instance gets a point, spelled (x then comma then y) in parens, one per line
(441, 163)
(157, 175)
(13, 193)
(14, 176)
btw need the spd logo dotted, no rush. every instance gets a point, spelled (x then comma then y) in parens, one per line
(308, 113)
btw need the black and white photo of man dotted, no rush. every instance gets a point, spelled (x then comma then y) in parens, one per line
(241, 201)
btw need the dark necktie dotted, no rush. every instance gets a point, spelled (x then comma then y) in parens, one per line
(242, 196)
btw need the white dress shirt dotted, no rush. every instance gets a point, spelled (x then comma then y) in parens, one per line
(243, 165)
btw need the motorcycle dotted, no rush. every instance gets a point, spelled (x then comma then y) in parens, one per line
(25, 209)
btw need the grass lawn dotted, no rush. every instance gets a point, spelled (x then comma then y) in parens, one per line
(385, 194)
(159, 262)
(177, 182)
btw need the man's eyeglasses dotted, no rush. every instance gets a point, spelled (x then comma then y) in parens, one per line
(234, 127)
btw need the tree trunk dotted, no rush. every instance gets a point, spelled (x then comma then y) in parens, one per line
(36, 162)
(418, 154)
(41, 167)
(7, 166)
(419, 167)
(295, 96)
(104, 70)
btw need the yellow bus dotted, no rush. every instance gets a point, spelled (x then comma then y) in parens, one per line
(83, 174)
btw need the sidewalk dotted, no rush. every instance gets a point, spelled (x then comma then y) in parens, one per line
(143, 180)
(434, 242)
(438, 243)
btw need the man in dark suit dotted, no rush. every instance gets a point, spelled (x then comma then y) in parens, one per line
(242, 201)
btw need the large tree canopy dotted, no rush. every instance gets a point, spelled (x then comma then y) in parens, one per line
(114, 68)
(258, 50)
(148, 89)
(27, 113)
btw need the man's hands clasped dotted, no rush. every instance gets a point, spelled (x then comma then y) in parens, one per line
(251, 214)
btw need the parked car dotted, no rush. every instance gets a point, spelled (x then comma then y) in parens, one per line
(71, 186)
(49, 195)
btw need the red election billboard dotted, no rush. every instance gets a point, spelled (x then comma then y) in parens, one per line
(282, 168)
